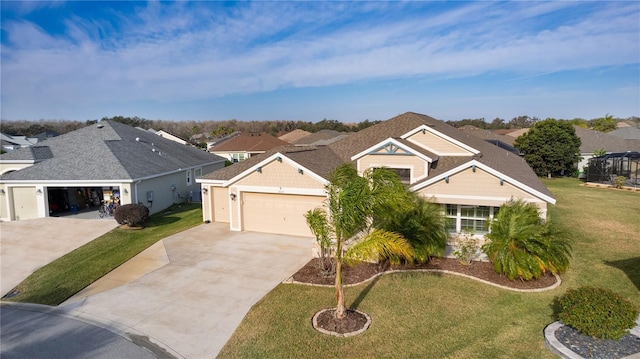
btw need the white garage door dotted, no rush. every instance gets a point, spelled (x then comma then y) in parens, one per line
(278, 213)
(25, 203)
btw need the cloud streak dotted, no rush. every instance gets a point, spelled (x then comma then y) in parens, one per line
(195, 51)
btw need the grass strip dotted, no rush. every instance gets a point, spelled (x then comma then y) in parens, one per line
(69, 274)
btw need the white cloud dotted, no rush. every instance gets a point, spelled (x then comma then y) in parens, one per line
(179, 52)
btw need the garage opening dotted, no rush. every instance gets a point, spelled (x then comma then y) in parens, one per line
(66, 201)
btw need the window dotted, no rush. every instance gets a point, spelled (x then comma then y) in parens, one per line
(474, 219)
(188, 177)
(403, 173)
(237, 157)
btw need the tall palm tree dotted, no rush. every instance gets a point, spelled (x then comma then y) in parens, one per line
(522, 245)
(352, 201)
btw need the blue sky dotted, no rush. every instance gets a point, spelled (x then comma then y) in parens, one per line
(347, 61)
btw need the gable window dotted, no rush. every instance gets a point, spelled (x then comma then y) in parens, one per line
(188, 177)
(474, 219)
(403, 173)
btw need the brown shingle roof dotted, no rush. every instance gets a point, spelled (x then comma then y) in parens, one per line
(249, 142)
(294, 135)
(322, 160)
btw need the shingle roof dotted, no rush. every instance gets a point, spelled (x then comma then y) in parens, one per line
(294, 135)
(632, 133)
(249, 142)
(107, 151)
(595, 140)
(321, 138)
(324, 159)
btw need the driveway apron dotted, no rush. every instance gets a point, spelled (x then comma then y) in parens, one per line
(27, 245)
(193, 303)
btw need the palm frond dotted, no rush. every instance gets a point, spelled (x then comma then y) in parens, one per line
(380, 244)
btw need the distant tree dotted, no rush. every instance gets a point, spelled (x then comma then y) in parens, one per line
(551, 146)
(497, 124)
(599, 152)
(523, 121)
(580, 122)
(604, 124)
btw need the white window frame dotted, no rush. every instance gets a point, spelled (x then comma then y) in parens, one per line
(459, 218)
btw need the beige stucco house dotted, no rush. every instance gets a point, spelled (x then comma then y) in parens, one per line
(469, 177)
(78, 170)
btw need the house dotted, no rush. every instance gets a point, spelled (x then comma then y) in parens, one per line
(170, 136)
(321, 138)
(104, 161)
(245, 145)
(11, 143)
(469, 177)
(631, 132)
(594, 141)
(502, 141)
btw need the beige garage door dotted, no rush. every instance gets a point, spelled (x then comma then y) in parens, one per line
(278, 213)
(25, 203)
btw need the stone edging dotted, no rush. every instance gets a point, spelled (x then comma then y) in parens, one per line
(314, 321)
(554, 286)
(119, 329)
(563, 352)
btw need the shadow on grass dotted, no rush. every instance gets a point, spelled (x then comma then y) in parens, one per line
(630, 267)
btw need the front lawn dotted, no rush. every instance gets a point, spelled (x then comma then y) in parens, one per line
(67, 275)
(418, 315)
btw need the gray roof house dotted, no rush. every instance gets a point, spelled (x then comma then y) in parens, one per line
(101, 162)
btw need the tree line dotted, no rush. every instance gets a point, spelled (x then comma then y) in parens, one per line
(210, 128)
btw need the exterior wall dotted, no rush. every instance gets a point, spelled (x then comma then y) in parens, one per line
(8, 167)
(26, 203)
(419, 167)
(4, 203)
(438, 145)
(164, 194)
(477, 188)
(279, 174)
(220, 204)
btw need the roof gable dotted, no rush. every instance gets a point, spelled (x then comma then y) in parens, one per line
(391, 147)
(437, 142)
(248, 142)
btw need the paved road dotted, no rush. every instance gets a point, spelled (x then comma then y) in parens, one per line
(28, 245)
(44, 332)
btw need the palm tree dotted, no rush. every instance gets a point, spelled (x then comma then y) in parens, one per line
(522, 245)
(352, 201)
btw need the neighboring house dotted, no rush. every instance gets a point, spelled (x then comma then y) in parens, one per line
(593, 141)
(11, 143)
(469, 177)
(502, 141)
(99, 162)
(294, 135)
(170, 136)
(630, 133)
(245, 145)
(320, 138)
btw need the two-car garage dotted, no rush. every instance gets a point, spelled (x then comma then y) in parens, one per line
(277, 213)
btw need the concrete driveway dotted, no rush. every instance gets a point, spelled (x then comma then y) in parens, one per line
(190, 291)
(28, 245)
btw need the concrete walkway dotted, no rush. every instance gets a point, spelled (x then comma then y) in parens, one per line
(27, 245)
(190, 291)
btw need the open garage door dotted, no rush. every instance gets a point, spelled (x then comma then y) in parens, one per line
(278, 213)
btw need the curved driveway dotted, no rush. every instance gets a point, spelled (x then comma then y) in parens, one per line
(194, 287)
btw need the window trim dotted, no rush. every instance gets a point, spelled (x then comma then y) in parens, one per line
(189, 178)
(459, 217)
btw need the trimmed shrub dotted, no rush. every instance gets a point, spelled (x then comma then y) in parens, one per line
(134, 215)
(597, 312)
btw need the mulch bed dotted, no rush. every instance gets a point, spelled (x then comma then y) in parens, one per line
(353, 321)
(593, 348)
(352, 275)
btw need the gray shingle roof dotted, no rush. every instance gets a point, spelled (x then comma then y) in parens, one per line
(107, 151)
(632, 133)
(595, 140)
(324, 159)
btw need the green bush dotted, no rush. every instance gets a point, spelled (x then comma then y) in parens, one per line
(597, 312)
(619, 181)
(134, 215)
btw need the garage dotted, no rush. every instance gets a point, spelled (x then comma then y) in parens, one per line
(278, 213)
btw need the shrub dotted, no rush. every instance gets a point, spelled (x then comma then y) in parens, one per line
(597, 312)
(466, 248)
(619, 181)
(134, 215)
(522, 245)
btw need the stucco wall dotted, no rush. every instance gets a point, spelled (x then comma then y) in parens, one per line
(8, 167)
(279, 174)
(477, 188)
(4, 203)
(438, 145)
(419, 167)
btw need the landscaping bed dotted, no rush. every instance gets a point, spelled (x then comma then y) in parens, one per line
(311, 274)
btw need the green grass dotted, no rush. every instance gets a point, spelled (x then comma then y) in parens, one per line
(418, 315)
(67, 275)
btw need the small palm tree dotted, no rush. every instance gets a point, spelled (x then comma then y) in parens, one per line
(522, 245)
(352, 201)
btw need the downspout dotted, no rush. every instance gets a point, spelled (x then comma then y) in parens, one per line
(135, 186)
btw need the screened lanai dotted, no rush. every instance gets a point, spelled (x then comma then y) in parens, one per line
(604, 169)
